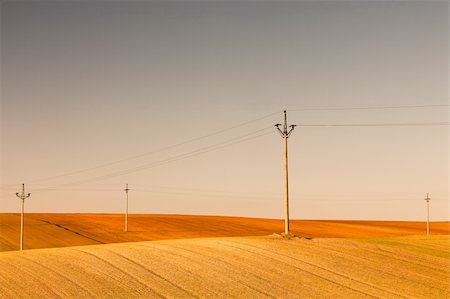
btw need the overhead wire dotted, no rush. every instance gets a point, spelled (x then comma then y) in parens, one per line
(245, 196)
(236, 126)
(376, 125)
(369, 107)
(154, 151)
(231, 142)
(200, 151)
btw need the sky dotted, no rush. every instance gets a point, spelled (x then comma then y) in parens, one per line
(180, 99)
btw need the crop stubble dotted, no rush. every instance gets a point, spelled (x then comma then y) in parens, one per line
(397, 267)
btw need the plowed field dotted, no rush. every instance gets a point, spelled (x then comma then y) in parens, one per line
(244, 267)
(60, 230)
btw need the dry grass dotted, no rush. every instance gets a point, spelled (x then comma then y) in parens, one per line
(245, 267)
(59, 230)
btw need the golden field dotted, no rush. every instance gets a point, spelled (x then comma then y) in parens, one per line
(181, 256)
(244, 267)
(60, 230)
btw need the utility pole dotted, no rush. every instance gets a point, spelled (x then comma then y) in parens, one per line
(428, 214)
(285, 133)
(126, 207)
(22, 196)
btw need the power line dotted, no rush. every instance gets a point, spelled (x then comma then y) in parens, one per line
(76, 189)
(369, 108)
(225, 130)
(222, 131)
(222, 145)
(377, 125)
(154, 151)
(194, 153)
(255, 196)
(175, 158)
(231, 142)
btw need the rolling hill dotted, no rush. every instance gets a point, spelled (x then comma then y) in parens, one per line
(245, 267)
(60, 230)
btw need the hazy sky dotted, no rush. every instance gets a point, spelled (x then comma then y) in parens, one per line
(86, 85)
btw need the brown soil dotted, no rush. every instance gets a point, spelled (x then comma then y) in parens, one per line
(60, 230)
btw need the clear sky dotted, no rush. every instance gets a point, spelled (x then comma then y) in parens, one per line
(88, 85)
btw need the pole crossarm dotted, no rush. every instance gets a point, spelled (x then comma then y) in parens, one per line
(23, 195)
(290, 131)
(285, 132)
(278, 128)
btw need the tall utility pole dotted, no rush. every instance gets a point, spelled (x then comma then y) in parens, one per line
(285, 133)
(428, 214)
(22, 196)
(126, 207)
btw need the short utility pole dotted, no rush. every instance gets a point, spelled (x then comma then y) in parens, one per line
(22, 196)
(428, 214)
(285, 133)
(126, 207)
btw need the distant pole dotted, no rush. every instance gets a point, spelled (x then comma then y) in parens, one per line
(126, 207)
(428, 215)
(285, 133)
(22, 196)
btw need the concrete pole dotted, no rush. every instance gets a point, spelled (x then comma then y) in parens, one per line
(22, 196)
(428, 215)
(22, 224)
(126, 208)
(286, 186)
(285, 133)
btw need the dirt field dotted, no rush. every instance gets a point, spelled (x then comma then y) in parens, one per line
(60, 230)
(244, 267)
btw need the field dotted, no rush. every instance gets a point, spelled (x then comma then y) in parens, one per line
(245, 267)
(60, 230)
(182, 256)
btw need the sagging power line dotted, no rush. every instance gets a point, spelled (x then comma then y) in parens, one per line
(239, 125)
(200, 151)
(228, 129)
(379, 125)
(370, 107)
(285, 133)
(213, 148)
(155, 151)
(224, 144)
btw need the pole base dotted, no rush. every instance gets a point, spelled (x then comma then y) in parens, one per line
(289, 236)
